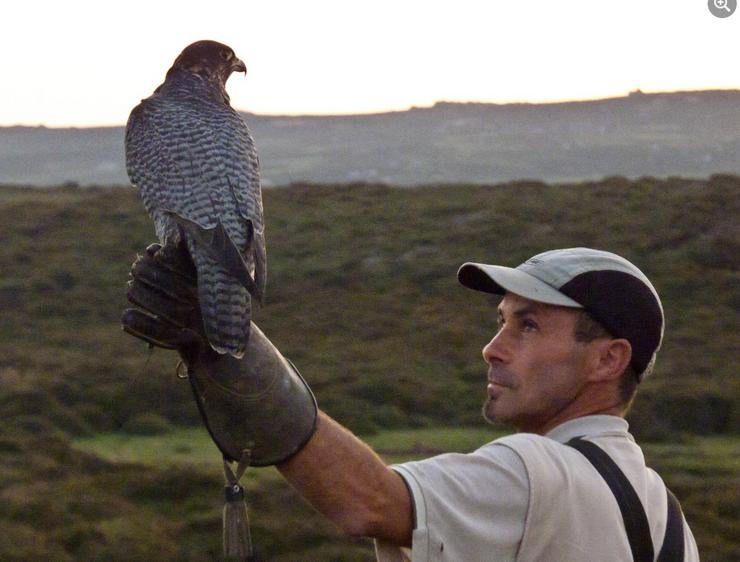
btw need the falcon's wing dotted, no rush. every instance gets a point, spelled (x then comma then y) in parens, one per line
(202, 166)
(154, 160)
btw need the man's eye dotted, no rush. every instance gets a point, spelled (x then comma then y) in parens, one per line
(529, 325)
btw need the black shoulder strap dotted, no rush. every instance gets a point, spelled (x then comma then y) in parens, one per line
(635, 520)
(633, 513)
(672, 549)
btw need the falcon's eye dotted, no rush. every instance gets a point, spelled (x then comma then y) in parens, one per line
(227, 55)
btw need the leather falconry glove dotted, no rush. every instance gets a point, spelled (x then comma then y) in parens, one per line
(258, 406)
(258, 409)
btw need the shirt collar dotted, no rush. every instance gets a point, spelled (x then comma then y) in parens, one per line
(590, 426)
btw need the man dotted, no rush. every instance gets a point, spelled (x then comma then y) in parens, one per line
(578, 331)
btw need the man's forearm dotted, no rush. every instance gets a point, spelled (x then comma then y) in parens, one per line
(350, 484)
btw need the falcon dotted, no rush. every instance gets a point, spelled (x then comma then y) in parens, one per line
(193, 160)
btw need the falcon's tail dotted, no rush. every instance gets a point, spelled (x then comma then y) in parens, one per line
(221, 247)
(224, 304)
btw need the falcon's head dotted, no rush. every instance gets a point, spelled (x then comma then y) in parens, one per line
(212, 60)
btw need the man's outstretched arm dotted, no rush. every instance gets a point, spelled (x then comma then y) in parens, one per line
(348, 482)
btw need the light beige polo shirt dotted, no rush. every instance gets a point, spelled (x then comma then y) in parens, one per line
(528, 497)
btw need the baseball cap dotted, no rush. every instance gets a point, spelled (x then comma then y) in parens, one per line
(610, 288)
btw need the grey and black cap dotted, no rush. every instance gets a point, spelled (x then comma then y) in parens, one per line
(610, 288)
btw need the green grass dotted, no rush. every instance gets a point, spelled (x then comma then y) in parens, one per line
(193, 447)
(433, 439)
(183, 446)
(695, 456)
(703, 457)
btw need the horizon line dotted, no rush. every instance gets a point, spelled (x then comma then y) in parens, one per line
(632, 93)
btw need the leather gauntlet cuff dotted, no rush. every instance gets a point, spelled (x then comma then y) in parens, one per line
(259, 404)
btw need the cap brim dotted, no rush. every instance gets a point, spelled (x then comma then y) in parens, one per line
(499, 280)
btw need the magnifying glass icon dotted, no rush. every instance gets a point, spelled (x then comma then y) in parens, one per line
(722, 5)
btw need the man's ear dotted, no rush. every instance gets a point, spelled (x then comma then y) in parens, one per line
(612, 358)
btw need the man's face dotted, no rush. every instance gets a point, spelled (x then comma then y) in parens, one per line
(536, 368)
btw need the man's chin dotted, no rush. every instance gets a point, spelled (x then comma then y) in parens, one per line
(489, 413)
(492, 414)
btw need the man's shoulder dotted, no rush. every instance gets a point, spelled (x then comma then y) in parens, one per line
(548, 458)
(516, 438)
(531, 447)
(607, 430)
(530, 441)
(550, 462)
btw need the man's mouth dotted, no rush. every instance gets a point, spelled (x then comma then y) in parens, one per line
(498, 377)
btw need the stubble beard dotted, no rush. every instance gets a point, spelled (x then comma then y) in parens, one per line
(513, 411)
(505, 378)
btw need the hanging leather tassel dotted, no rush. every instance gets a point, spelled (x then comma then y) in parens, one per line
(237, 541)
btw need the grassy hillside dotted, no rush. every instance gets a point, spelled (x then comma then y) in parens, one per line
(362, 296)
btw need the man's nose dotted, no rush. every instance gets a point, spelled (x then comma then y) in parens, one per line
(495, 350)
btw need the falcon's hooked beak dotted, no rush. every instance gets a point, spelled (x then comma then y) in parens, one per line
(238, 66)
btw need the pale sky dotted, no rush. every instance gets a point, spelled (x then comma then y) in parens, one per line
(84, 63)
